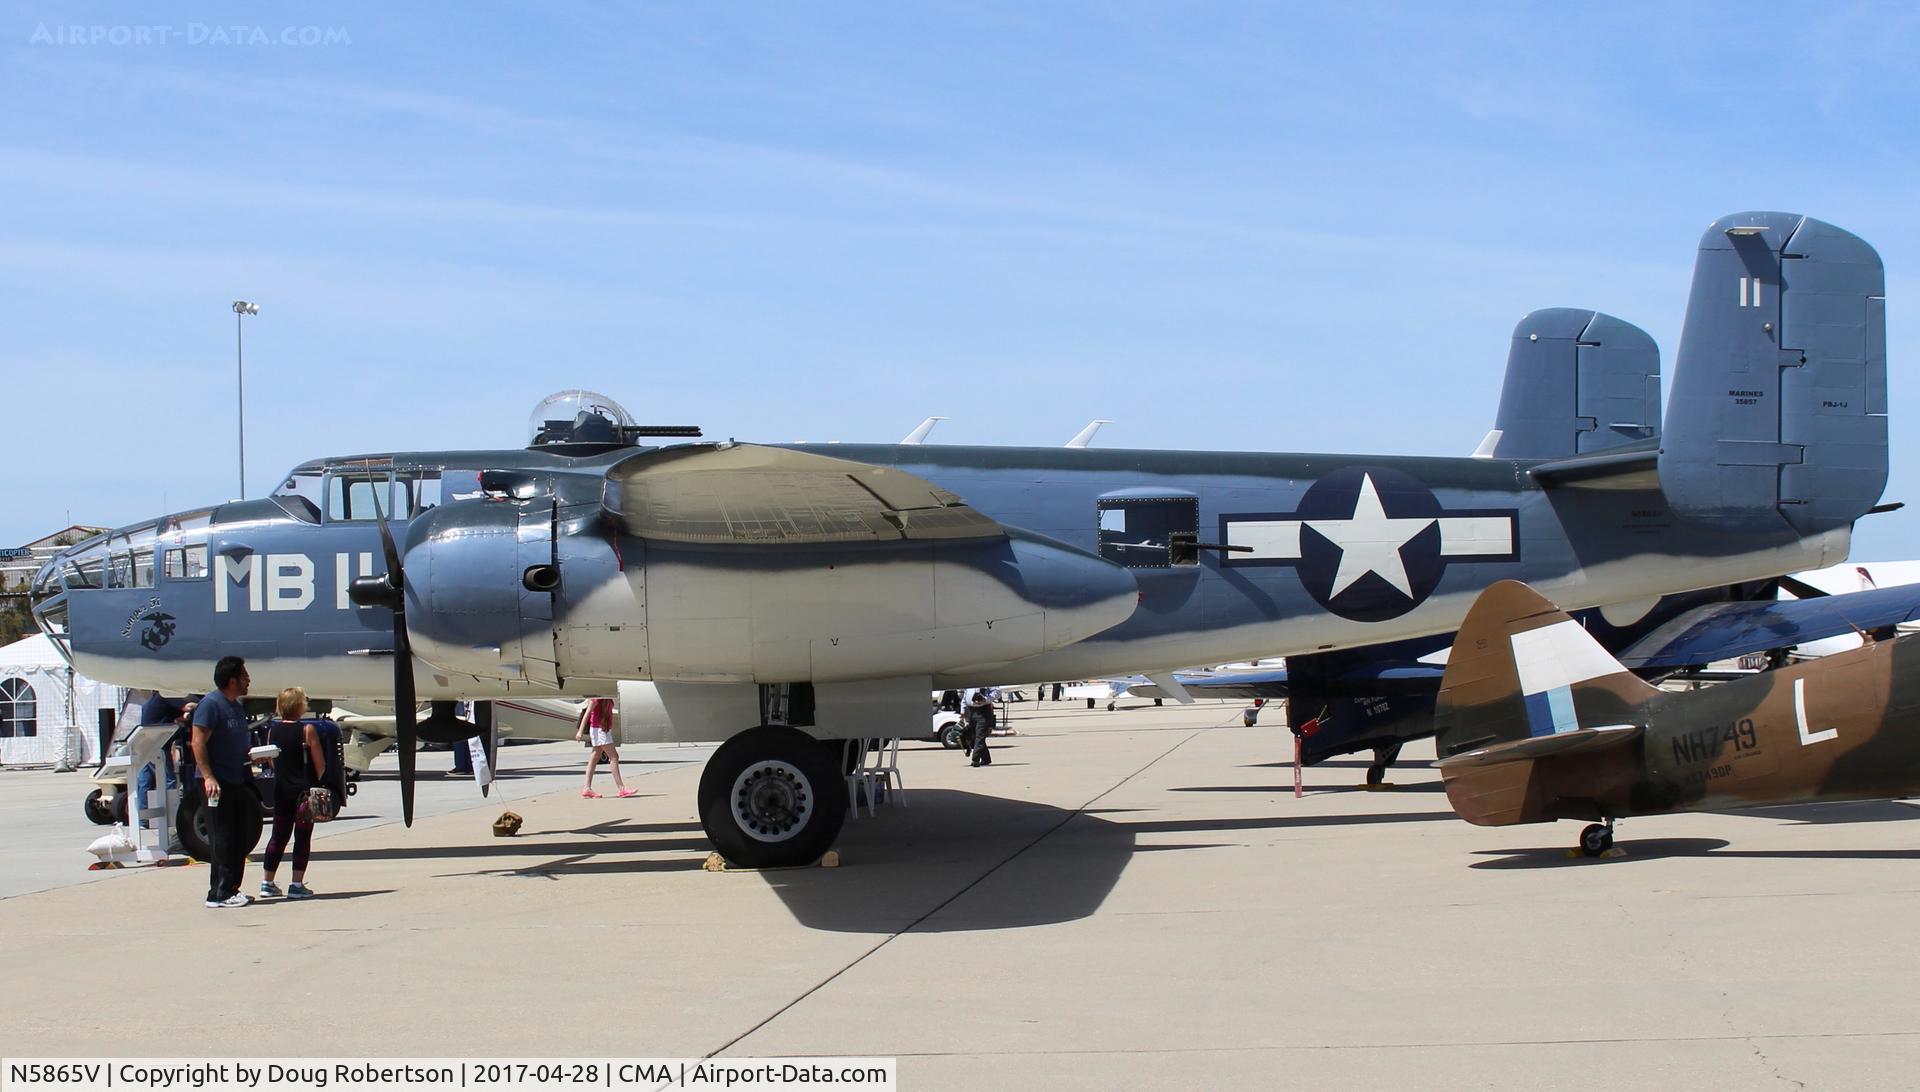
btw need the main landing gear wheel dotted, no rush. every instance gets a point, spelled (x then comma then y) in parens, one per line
(773, 797)
(1596, 839)
(190, 822)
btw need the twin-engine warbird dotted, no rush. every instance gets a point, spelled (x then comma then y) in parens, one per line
(1537, 722)
(779, 597)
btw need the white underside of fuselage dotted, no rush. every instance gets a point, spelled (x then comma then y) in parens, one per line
(1641, 577)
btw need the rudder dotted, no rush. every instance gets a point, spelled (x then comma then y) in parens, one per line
(1522, 668)
(1577, 381)
(1778, 413)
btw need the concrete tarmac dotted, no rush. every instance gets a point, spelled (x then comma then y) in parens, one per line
(1123, 900)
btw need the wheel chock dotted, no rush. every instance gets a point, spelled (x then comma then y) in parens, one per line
(507, 825)
(717, 863)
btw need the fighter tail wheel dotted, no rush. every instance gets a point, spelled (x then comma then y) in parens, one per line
(1595, 840)
(773, 797)
(102, 813)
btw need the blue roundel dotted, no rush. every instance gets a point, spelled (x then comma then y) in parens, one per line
(1370, 543)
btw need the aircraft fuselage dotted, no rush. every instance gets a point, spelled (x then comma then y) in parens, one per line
(1118, 570)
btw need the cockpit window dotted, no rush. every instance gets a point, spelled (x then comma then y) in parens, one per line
(352, 496)
(300, 495)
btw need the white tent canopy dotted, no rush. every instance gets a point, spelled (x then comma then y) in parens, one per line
(49, 714)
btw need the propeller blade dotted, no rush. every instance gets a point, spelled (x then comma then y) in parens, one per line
(403, 712)
(404, 700)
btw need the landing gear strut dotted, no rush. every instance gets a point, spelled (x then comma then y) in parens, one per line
(773, 797)
(1383, 757)
(1597, 839)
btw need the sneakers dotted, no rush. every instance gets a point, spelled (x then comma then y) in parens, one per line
(589, 794)
(269, 889)
(231, 902)
(298, 890)
(624, 793)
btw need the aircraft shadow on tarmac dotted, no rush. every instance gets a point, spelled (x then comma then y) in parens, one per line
(949, 861)
(1653, 849)
(1044, 865)
(1860, 811)
(1319, 790)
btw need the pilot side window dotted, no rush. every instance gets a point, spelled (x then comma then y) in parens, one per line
(353, 498)
(19, 712)
(1150, 532)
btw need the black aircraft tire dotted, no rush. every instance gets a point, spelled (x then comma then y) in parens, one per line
(1595, 840)
(772, 797)
(190, 823)
(102, 814)
(950, 736)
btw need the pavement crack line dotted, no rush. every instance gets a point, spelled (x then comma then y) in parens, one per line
(951, 899)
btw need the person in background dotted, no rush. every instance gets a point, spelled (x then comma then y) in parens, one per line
(596, 727)
(220, 745)
(979, 721)
(462, 755)
(300, 766)
(163, 710)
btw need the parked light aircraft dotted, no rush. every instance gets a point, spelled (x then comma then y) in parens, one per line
(1537, 722)
(778, 596)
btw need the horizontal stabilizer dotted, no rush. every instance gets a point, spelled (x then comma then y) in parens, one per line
(748, 494)
(1630, 466)
(1577, 381)
(1519, 750)
(1721, 631)
(1778, 413)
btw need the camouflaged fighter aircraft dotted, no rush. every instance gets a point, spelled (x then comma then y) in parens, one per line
(1537, 723)
(779, 596)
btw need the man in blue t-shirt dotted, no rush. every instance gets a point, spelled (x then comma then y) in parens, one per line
(220, 745)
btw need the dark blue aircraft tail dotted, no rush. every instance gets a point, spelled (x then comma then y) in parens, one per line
(1778, 412)
(1578, 381)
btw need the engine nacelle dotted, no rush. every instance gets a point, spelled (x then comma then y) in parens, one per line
(704, 614)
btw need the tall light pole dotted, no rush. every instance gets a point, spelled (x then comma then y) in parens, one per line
(241, 309)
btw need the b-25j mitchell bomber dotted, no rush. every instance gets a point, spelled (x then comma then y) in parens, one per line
(780, 597)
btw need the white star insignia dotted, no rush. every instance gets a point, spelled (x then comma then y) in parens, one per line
(1370, 541)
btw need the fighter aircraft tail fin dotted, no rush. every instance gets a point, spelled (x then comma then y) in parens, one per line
(1577, 381)
(1778, 412)
(1525, 677)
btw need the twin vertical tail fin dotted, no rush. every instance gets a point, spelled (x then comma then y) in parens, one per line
(1523, 672)
(1577, 381)
(1778, 413)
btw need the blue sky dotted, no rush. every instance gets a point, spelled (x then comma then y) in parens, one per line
(1267, 227)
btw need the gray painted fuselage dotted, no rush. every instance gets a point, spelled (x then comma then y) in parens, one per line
(279, 600)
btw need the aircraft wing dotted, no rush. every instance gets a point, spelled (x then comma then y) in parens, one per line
(1385, 678)
(1559, 743)
(1721, 631)
(747, 494)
